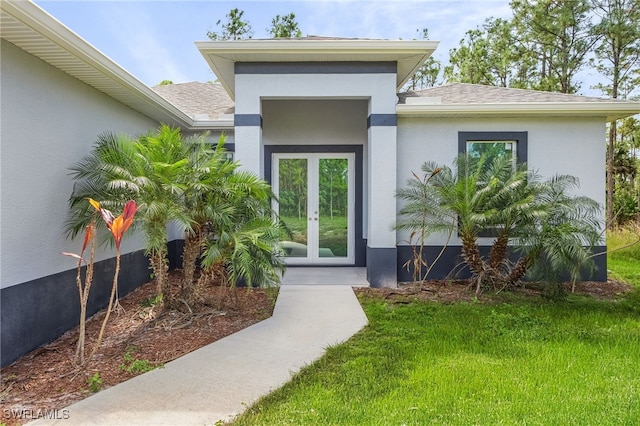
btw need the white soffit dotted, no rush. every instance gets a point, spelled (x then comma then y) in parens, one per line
(29, 27)
(609, 110)
(222, 55)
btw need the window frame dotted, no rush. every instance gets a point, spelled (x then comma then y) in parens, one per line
(520, 139)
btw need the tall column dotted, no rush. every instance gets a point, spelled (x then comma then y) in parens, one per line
(248, 141)
(381, 176)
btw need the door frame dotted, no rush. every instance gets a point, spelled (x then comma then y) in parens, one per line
(313, 218)
(360, 243)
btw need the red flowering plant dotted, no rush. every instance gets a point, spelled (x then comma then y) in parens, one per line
(117, 226)
(84, 287)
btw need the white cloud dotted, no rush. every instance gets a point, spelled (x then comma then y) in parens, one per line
(447, 21)
(153, 40)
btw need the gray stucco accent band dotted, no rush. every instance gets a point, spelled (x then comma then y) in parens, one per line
(382, 120)
(247, 120)
(315, 67)
(382, 267)
(36, 312)
(448, 266)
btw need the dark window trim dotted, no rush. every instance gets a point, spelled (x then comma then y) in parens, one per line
(360, 242)
(521, 139)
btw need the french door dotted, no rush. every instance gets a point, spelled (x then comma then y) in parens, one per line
(316, 202)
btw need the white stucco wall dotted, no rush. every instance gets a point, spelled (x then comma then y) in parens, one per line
(314, 122)
(252, 89)
(574, 146)
(267, 94)
(49, 121)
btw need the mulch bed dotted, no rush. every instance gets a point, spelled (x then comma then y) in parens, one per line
(47, 379)
(450, 291)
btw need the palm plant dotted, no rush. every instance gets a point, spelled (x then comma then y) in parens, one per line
(487, 196)
(147, 170)
(187, 183)
(560, 246)
(245, 237)
(206, 181)
(420, 217)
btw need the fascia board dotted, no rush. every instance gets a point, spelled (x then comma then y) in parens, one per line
(314, 46)
(609, 110)
(212, 125)
(221, 55)
(53, 30)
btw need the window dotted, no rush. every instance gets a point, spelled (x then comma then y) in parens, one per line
(493, 144)
(513, 144)
(492, 149)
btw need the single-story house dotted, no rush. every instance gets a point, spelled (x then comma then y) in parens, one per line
(319, 118)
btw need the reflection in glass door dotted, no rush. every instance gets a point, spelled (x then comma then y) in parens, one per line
(316, 203)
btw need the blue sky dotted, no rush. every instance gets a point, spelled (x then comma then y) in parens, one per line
(154, 40)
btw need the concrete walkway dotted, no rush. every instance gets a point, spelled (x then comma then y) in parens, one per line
(222, 379)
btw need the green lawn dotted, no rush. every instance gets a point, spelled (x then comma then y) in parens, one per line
(624, 260)
(519, 361)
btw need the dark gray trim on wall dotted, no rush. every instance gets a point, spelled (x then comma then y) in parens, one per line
(382, 120)
(449, 264)
(175, 249)
(521, 138)
(315, 67)
(360, 243)
(38, 311)
(247, 120)
(382, 267)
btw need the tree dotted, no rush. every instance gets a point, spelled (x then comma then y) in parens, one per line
(187, 183)
(234, 29)
(231, 213)
(617, 58)
(244, 238)
(626, 189)
(148, 170)
(285, 27)
(560, 35)
(490, 56)
(488, 196)
(428, 73)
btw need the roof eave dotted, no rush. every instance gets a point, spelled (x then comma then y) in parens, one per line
(212, 125)
(221, 55)
(608, 110)
(98, 71)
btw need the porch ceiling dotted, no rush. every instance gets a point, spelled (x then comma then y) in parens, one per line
(222, 55)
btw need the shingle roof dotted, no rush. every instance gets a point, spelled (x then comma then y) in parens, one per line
(198, 99)
(208, 101)
(463, 93)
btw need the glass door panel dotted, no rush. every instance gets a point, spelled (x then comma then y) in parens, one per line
(333, 209)
(316, 195)
(293, 198)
